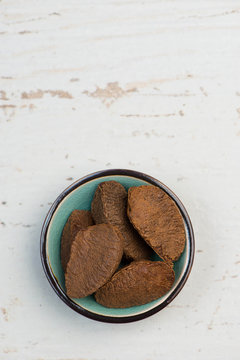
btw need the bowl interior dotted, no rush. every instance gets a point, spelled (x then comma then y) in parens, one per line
(81, 198)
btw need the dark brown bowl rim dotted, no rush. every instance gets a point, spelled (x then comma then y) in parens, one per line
(53, 281)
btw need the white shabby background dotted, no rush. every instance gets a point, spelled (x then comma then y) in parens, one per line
(146, 85)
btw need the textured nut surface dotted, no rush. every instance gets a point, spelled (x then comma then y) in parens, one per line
(109, 206)
(78, 220)
(95, 255)
(158, 220)
(136, 284)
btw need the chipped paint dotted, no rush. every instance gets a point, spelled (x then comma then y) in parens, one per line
(38, 94)
(203, 91)
(110, 93)
(8, 350)
(6, 77)
(147, 115)
(74, 79)
(55, 14)
(211, 323)
(8, 111)
(59, 93)
(3, 95)
(24, 32)
(7, 106)
(5, 314)
(151, 82)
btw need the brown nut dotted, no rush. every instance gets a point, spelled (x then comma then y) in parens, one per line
(158, 220)
(95, 255)
(109, 206)
(136, 284)
(78, 220)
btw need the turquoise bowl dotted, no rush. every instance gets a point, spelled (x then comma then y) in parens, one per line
(79, 195)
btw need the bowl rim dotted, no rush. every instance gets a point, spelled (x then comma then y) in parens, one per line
(47, 267)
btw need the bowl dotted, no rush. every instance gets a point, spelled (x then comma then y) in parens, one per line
(79, 195)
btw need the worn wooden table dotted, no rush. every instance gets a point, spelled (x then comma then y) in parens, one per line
(152, 86)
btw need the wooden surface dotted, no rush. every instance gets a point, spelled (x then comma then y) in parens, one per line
(152, 86)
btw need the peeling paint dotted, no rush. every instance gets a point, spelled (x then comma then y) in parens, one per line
(27, 32)
(151, 82)
(9, 106)
(7, 350)
(203, 91)
(38, 94)
(210, 325)
(147, 115)
(3, 95)
(54, 13)
(110, 93)
(6, 77)
(5, 314)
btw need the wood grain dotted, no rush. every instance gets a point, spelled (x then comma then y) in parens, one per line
(152, 86)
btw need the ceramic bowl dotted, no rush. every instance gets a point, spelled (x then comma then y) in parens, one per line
(79, 195)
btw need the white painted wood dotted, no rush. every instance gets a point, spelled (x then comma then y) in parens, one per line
(152, 86)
